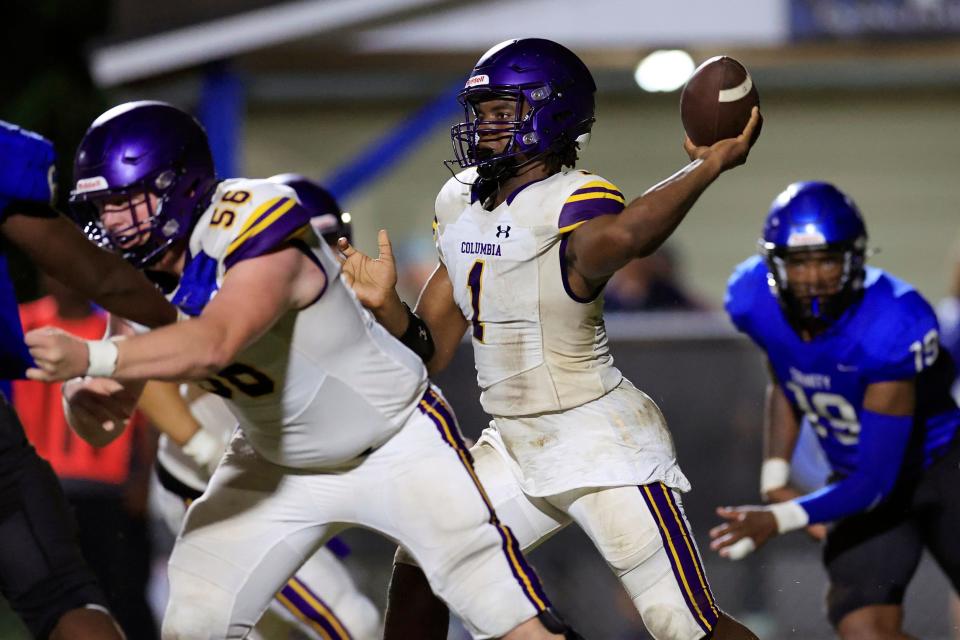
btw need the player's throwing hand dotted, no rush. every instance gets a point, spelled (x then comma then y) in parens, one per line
(731, 152)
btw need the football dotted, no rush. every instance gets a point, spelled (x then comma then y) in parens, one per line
(717, 100)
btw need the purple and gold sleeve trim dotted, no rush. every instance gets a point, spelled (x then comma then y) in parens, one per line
(267, 229)
(597, 198)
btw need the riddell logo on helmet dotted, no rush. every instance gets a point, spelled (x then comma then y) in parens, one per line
(475, 81)
(806, 238)
(92, 184)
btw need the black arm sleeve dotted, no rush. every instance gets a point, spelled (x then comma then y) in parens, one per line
(417, 337)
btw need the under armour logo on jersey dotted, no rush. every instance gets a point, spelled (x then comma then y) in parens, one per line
(503, 230)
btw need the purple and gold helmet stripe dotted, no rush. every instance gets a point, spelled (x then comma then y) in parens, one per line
(433, 406)
(307, 606)
(684, 560)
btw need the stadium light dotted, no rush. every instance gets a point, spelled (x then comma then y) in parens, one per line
(664, 70)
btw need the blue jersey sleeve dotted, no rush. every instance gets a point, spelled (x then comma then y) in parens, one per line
(904, 341)
(883, 441)
(741, 297)
(26, 167)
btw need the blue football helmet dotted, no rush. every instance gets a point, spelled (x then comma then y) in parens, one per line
(141, 148)
(550, 79)
(326, 216)
(814, 216)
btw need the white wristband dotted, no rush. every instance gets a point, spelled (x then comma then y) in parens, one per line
(203, 448)
(774, 474)
(101, 358)
(790, 516)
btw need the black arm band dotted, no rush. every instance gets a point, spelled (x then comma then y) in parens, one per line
(417, 337)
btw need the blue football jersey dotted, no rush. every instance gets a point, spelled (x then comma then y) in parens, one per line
(14, 355)
(890, 334)
(26, 173)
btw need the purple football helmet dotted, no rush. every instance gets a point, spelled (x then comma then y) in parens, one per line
(547, 77)
(133, 150)
(325, 214)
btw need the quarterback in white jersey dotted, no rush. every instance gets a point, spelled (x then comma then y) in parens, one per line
(338, 425)
(526, 245)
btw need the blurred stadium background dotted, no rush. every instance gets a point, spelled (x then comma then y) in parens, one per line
(359, 94)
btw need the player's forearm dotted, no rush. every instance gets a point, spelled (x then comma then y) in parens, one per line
(392, 314)
(645, 223)
(128, 293)
(780, 426)
(166, 410)
(443, 355)
(780, 432)
(191, 350)
(62, 251)
(650, 219)
(883, 442)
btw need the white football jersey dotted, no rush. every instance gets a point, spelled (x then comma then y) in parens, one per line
(537, 347)
(564, 416)
(326, 383)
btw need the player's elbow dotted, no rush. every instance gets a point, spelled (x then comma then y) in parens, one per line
(884, 486)
(212, 346)
(873, 489)
(211, 360)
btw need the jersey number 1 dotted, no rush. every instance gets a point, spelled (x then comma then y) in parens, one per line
(474, 283)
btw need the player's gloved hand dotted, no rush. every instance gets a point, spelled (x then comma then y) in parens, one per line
(745, 529)
(730, 152)
(26, 165)
(96, 408)
(58, 355)
(372, 280)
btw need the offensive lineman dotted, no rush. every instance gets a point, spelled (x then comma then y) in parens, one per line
(338, 424)
(321, 602)
(854, 352)
(526, 245)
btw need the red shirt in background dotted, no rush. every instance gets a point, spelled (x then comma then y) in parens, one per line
(40, 409)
